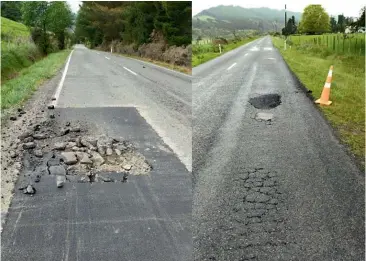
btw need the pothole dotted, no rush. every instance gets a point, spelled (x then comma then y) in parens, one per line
(70, 155)
(266, 101)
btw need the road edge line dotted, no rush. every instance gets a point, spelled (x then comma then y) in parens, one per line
(61, 83)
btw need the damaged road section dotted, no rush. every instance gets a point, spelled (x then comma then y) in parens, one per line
(266, 101)
(71, 155)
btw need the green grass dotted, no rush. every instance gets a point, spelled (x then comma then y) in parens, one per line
(15, 91)
(15, 57)
(347, 112)
(353, 44)
(202, 53)
(17, 49)
(13, 29)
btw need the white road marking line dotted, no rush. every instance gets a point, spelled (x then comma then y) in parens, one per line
(107, 57)
(178, 98)
(98, 53)
(246, 54)
(255, 49)
(267, 48)
(59, 87)
(129, 70)
(231, 66)
(154, 65)
(271, 58)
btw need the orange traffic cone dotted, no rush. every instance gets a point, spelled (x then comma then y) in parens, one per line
(324, 98)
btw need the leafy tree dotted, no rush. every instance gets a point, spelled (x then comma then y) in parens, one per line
(314, 20)
(11, 10)
(361, 20)
(45, 17)
(341, 24)
(35, 15)
(333, 25)
(291, 27)
(133, 22)
(59, 19)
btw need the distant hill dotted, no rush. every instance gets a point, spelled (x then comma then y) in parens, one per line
(231, 18)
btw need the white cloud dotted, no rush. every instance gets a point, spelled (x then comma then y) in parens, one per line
(333, 7)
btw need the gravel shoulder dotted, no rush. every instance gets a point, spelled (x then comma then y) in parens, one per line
(35, 110)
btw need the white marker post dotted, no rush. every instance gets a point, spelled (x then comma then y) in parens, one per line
(111, 50)
(220, 47)
(285, 44)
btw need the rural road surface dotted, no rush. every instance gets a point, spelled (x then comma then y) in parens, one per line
(283, 189)
(146, 218)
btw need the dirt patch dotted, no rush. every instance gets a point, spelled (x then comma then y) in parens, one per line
(266, 101)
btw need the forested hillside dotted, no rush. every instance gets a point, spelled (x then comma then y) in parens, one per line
(229, 20)
(148, 29)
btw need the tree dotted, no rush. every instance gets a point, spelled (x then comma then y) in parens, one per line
(291, 27)
(333, 25)
(314, 20)
(361, 20)
(134, 22)
(59, 19)
(341, 24)
(45, 17)
(11, 10)
(34, 15)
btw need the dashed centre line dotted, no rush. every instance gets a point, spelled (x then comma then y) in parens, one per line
(231, 66)
(129, 70)
(107, 57)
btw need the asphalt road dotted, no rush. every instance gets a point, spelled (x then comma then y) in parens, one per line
(146, 218)
(162, 97)
(284, 190)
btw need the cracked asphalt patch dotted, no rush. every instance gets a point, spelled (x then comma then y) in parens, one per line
(253, 220)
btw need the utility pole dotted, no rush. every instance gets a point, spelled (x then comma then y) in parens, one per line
(285, 27)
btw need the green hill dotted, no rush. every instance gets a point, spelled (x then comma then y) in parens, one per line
(13, 29)
(219, 20)
(17, 49)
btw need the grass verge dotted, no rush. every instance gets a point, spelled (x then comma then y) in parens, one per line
(347, 112)
(199, 57)
(15, 91)
(181, 69)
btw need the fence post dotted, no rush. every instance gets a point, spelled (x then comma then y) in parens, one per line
(356, 46)
(333, 43)
(220, 47)
(349, 45)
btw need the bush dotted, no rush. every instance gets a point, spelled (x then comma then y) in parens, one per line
(15, 57)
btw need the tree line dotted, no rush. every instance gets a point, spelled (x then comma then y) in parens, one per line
(133, 22)
(316, 21)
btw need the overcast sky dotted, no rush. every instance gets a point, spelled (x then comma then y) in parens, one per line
(74, 5)
(333, 7)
